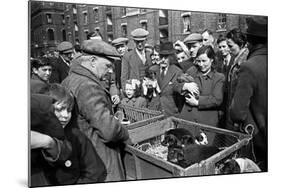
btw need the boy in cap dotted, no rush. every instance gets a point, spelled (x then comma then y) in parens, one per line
(249, 104)
(137, 61)
(61, 66)
(94, 105)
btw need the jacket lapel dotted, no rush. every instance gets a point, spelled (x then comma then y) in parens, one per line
(168, 77)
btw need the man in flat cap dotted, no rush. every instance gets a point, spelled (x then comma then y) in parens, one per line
(61, 66)
(249, 104)
(137, 61)
(94, 105)
(121, 46)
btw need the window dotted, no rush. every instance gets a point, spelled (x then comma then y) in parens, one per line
(62, 19)
(186, 22)
(96, 14)
(123, 11)
(85, 18)
(221, 22)
(163, 17)
(86, 33)
(107, 8)
(49, 18)
(63, 35)
(124, 29)
(109, 37)
(68, 20)
(143, 24)
(69, 36)
(164, 34)
(51, 35)
(109, 23)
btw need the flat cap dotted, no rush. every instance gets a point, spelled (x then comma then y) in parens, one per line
(193, 38)
(120, 40)
(139, 34)
(65, 47)
(99, 47)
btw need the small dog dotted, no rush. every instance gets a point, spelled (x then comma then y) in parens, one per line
(177, 138)
(238, 165)
(185, 78)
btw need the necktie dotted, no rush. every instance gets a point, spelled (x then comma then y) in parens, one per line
(162, 73)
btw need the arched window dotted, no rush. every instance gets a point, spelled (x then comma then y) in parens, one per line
(63, 35)
(51, 35)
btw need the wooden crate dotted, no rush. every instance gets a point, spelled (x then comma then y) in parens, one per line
(134, 114)
(141, 165)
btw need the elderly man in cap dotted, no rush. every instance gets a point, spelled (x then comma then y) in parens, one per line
(167, 75)
(137, 61)
(94, 105)
(121, 46)
(249, 104)
(61, 66)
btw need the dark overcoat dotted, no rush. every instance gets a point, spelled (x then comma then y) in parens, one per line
(96, 118)
(168, 95)
(131, 63)
(249, 104)
(210, 99)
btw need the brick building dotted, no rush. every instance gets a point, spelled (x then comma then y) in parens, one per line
(73, 22)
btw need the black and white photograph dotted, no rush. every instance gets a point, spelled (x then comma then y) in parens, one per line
(138, 94)
(122, 93)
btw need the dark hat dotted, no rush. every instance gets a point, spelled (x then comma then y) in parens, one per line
(193, 38)
(120, 40)
(139, 34)
(167, 48)
(65, 47)
(99, 47)
(257, 26)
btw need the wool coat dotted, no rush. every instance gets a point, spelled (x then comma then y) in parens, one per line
(210, 97)
(96, 119)
(249, 104)
(168, 95)
(131, 64)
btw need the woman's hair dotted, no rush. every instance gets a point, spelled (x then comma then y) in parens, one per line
(237, 36)
(40, 62)
(209, 51)
(220, 39)
(61, 95)
(136, 84)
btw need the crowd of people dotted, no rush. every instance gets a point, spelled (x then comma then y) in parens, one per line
(75, 136)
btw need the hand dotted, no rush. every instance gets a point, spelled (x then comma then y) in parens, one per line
(191, 87)
(39, 140)
(191, 100)
(115, 99)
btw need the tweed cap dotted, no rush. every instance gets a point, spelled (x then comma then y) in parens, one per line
(65, 47)
(257, 26)
(193, 38)
(99, 47)
(139, 34)
(120, 40)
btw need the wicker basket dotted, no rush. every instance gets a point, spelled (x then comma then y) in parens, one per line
(134, 114)
(141, 165)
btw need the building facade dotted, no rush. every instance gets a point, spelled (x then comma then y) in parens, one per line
(55, 22)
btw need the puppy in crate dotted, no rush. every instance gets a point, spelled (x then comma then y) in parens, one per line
(151, 88)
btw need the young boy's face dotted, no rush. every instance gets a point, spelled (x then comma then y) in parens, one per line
(129, 90)
(63, 113)
(43, 72)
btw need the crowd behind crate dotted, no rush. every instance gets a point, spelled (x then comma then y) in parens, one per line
(76, 136)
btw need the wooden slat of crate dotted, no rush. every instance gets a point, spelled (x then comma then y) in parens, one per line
(144, 130)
